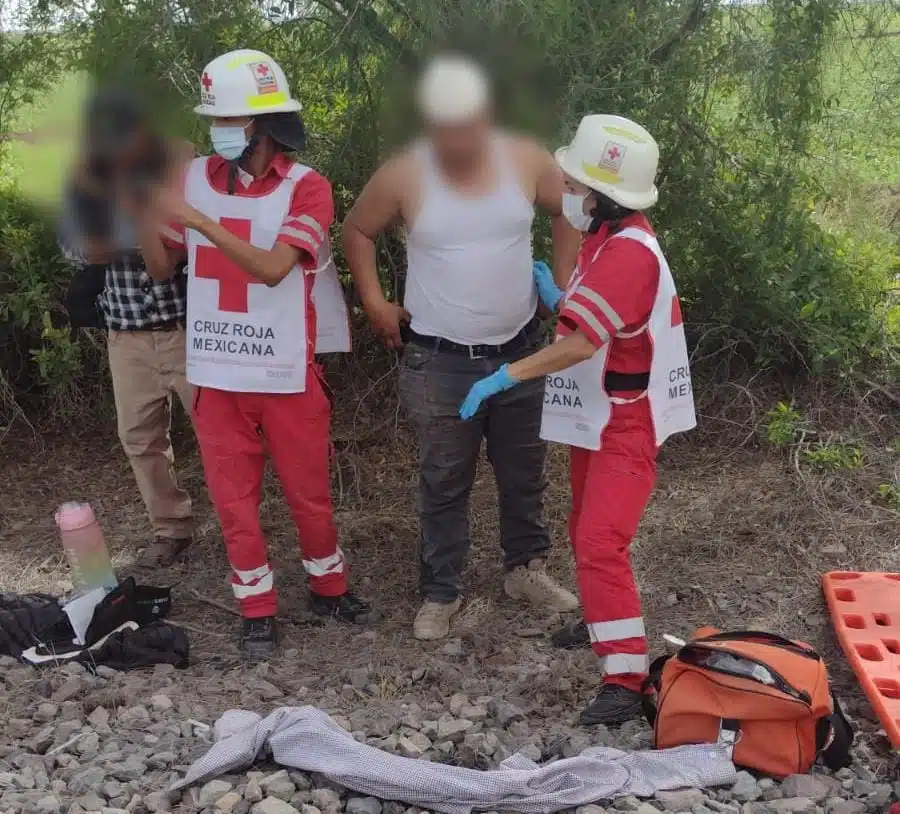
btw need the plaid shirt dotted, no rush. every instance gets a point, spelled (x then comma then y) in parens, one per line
(131, 300)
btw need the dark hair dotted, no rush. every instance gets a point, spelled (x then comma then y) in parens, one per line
(287, 130)
(606, 210)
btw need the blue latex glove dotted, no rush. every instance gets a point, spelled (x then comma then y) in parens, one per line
(485, 388)
(549, 292)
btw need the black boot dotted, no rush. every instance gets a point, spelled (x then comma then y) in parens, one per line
(572, 636)
(343, 608)
(614, 704)
(259, 638)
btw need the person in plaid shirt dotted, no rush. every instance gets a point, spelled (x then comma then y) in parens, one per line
(144, 318)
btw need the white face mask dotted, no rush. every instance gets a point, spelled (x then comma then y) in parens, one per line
(573, 211)
(229, 141)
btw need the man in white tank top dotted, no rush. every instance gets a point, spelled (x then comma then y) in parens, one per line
(466, 194)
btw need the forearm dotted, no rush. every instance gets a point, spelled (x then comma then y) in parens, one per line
(566, 244)
(264, 265)
(159, 261)
(359, 250)
(558, 356)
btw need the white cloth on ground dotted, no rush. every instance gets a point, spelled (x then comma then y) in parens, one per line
(306, 738)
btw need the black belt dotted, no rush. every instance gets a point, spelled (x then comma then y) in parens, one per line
(620, 382)
(171, 325)
(520, 341)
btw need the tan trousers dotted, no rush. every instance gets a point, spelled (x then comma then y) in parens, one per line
(147, 370)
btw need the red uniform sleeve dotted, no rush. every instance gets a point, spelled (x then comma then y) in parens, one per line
(616, 293)
(309, 218)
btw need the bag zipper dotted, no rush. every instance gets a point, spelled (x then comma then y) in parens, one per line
(782, 684)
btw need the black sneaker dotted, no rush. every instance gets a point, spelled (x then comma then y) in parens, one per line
(343, 608)
(614, 704)
(259, 638)
(572, 636)
(117, 611)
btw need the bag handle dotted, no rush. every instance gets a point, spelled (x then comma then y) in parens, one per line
(767, 638)
(652, 682)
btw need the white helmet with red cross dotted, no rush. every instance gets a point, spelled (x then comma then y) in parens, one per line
(244, 83)
(614, 156)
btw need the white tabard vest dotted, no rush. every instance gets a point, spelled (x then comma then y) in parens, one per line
(577, 407)
(243, 335)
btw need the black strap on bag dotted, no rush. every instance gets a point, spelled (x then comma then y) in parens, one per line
(650, 688)
(834, 738)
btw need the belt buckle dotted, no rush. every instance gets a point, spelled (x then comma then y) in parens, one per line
(473, 352)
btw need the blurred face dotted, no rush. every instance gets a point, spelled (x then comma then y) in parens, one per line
(460, 144)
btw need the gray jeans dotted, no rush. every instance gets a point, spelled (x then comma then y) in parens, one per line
(433, 385)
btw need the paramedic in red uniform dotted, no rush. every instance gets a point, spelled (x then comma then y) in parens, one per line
(253, 225)
(617, 385)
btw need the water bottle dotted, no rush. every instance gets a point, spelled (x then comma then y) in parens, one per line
(85, 548)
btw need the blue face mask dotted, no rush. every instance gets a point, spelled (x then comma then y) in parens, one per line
(229, 142)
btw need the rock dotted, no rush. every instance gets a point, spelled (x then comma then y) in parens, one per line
(507, 713)
(48, 805)
(279, 785)
(90, 780)
(158, 802)
(46, 712)
(414, 746)
(99, 718)
(627, 804)
(228, 802)
(745, 788)
(328, 800)
(253, 793)
(590, 810)
(814, 787)
(680, 800)
(793, 805)
(363, 805)
(646, 808)
(91, 802)
(473, 712)
(68, 690)
(161, 703)
(838, 806)
(457, 702)
(453, 729)
(358, 677)
(212, 791)
(308, 809)
(531, 752)
(272, 805)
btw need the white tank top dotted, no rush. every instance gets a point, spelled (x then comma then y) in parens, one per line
(469, 274)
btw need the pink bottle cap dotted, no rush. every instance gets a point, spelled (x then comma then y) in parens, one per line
(72, 516)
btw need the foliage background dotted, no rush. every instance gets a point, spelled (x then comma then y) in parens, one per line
(778, 123)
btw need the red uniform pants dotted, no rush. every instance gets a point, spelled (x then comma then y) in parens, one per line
(234, 431)
(610, 489)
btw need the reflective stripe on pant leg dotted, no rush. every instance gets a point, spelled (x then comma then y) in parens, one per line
(335, 564)
(617, 630)
(617, 664)
(246, 584)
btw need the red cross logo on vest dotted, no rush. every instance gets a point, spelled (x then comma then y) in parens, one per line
(234, 282)
(206, 82)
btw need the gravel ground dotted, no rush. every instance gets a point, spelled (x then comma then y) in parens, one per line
(735, 536)
(114, 742)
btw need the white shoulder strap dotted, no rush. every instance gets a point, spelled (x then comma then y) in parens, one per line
(633, 233)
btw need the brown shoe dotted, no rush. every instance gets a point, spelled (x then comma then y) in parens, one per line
(533, 584)
(164, 552)
(433, 620)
